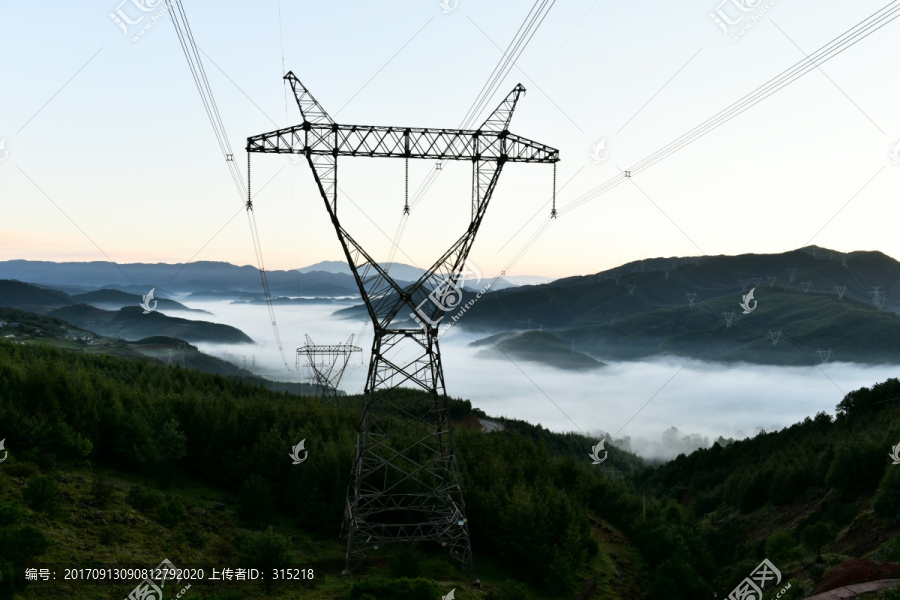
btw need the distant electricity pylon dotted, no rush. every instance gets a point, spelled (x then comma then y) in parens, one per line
(757, 281)
(775, 335)
(405, 482)
(805, 285)
(729, 316)
(325, 364)
(792, 273)
(841, 290)
(631, 288)
(744, 283)
(878, 297)
(618, 277)
(771, 279)
(691, 296)
(844, 262)
(824, 355)
(667, 272)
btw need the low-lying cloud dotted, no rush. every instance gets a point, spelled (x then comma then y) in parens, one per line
(642, 400)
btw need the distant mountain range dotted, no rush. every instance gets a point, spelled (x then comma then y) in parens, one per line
(204, 278)
(201, 276)
(404, 272)
(810, 305)
(127, 322)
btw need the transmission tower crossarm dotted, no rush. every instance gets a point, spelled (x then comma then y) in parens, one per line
(332, 139)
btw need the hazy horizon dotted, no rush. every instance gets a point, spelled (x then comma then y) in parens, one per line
(136, 175)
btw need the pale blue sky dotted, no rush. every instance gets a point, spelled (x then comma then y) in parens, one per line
(125, 150)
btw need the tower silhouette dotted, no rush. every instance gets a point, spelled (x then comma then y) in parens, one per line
(404, 485)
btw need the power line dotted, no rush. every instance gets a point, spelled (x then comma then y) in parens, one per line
(833, 48)
(520, 41)
(195, 64)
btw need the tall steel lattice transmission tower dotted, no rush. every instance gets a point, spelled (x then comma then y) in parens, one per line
(325, 364)
(404, 483)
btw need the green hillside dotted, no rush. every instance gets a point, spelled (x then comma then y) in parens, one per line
(536, 346)
(123, 461)
(807, 299)
(50, 331)
(130, 323)
(116, 299)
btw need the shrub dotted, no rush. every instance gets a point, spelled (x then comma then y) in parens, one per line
(17, 545)
(406, 561)
(255, 506)
(887, 499)
(780, 547)
(42, 493)
(22, 469)
(171, 513)
(674, 579)
(110, 535)
(265, 550)
(815, 536)
(856, 468)
(143, 499)
(11, 512)
(102, 491)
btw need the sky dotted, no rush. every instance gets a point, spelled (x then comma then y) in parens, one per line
(107, 153)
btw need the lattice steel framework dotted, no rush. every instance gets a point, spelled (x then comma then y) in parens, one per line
(326, 364)
(405, 479)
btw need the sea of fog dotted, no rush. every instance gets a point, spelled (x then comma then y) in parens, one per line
(640, 400)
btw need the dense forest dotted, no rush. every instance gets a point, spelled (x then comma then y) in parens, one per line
(125, 461)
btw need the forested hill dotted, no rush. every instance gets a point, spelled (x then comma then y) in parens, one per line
(120, 461)
(127, 321)
(808, 497)
(809, 305)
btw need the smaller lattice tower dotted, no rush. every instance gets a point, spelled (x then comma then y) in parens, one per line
(325, 365)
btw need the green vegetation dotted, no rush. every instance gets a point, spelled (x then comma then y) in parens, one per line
(611, 320)
(125, 461)
(537, 346)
